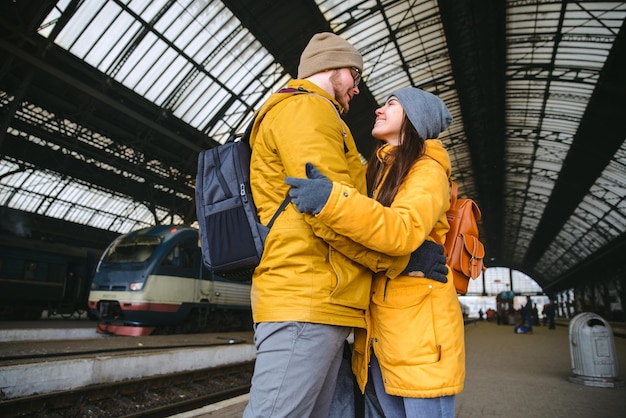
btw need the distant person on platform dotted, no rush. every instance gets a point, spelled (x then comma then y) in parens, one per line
(536, 315)
(550, 313)
(527, 315)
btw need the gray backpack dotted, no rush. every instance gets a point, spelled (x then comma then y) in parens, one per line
(231, 236)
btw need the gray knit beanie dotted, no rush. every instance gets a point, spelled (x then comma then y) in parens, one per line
(427, 112)
(327, 51)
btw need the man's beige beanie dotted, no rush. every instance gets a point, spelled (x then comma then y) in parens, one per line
(327, 51)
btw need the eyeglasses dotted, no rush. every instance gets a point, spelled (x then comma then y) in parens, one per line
(356, 77)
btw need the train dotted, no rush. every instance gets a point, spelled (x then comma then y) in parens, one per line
(38, 275)
(153, 281)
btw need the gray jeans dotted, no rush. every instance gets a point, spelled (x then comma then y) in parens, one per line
(296, 369)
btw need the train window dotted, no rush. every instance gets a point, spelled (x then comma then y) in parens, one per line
(54, 273)
(132, 250)
(179, 256)
(30, 270)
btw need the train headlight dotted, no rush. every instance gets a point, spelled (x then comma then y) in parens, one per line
(136, 286)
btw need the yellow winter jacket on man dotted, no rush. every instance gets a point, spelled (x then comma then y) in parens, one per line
(300, 276)
(414, 325)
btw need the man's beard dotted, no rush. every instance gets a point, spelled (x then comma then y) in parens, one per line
(340, 96)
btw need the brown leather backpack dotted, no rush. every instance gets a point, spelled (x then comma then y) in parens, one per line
(464, 251)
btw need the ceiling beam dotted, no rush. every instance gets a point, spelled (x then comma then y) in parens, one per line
(476, 37)
(38, 227)
(45, 158)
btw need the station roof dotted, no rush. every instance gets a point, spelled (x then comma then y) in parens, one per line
(106, 104)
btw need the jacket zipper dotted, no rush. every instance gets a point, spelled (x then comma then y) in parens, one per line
(376, 179)
(385, 291)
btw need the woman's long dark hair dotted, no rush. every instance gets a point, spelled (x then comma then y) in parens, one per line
(402, 157)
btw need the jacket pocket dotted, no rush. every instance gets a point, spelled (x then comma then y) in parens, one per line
(403, 322)
(352, 286)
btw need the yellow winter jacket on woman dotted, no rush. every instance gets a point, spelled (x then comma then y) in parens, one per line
(414, 325)
(300, 276)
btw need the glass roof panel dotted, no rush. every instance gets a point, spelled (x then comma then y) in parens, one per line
(197, 51)
(114, 40)
(160, 61)
(47, 193)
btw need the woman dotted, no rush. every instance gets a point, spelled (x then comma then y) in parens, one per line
(414, 341)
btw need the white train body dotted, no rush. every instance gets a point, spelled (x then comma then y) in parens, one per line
(154, 279)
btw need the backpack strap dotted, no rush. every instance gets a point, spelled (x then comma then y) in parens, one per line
(279, 210)
(453, 193)
(246, 134)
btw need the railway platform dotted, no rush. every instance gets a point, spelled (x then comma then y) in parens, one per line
(510, 375)
(48, 329)
(47, 363)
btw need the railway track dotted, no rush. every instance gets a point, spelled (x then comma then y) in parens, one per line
(58, 350)
(158, 396)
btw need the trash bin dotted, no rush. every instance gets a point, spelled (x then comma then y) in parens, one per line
(592, 350)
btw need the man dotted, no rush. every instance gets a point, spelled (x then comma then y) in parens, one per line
(550, 313)
(306, 296)
(527, 315)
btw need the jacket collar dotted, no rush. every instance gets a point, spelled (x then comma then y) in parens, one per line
(433, 149)
(314, 88)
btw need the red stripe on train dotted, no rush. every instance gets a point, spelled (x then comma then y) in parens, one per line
(142, 306)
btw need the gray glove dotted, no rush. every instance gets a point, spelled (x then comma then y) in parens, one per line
(311, 194)
(428, 261)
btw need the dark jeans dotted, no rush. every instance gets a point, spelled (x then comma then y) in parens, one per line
(348, 401)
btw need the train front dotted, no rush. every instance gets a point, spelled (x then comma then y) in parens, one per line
(137, 283)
